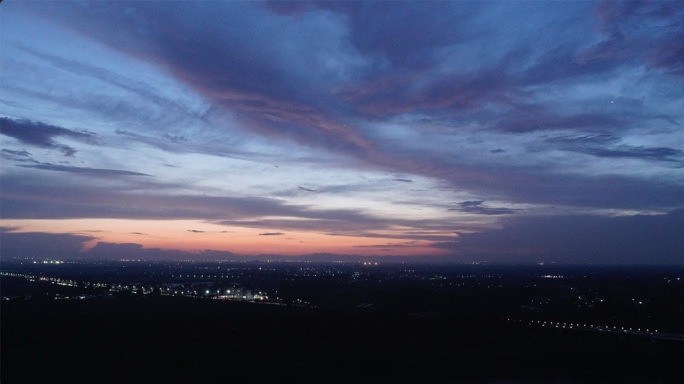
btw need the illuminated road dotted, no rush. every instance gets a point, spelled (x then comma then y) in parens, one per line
(652, 333)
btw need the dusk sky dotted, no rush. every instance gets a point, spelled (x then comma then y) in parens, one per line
(476, 130)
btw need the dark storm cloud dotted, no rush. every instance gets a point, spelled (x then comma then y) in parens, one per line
(639, 239)
(42, 135)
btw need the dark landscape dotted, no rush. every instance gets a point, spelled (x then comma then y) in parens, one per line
(129, 321)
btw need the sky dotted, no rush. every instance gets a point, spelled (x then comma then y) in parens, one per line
(533, 131)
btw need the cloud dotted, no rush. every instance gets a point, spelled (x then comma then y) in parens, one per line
(465, 100)
(39, 244)
(195, 231)
(170, 143)
(606, 146)
(83, 170)
(647, 31)
(445, 72)
(34, 245)
(271, 234)
(42, 135)
(471, 203)
(117, 251)
(648, 153)
(408, 34)
(18, 156)
(136, 87)
(475, 206)
(16, 153)
(638, 239)
(175, 139)
(546, 184)
(539, 119)
(390, 246)
(53, 198)
(268, 89)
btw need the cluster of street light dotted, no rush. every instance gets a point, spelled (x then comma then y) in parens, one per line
(585, 327)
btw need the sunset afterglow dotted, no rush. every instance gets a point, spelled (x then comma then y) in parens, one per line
(503, 131)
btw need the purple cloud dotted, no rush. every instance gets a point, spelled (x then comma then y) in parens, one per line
(477, 207)
(459, 101)
(39, 244)
(84, 170)
(640, 239)
(606, 146)
(42, 135)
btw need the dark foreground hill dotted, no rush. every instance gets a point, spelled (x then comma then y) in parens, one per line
(175, 340)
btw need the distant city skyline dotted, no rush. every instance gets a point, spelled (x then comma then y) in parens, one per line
(500, 131)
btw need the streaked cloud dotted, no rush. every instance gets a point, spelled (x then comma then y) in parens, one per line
(439, 123)
(42, 135)
(607, 146)
(477, 207)
(84, 170)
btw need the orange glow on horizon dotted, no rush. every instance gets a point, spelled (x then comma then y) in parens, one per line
(197, 236)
